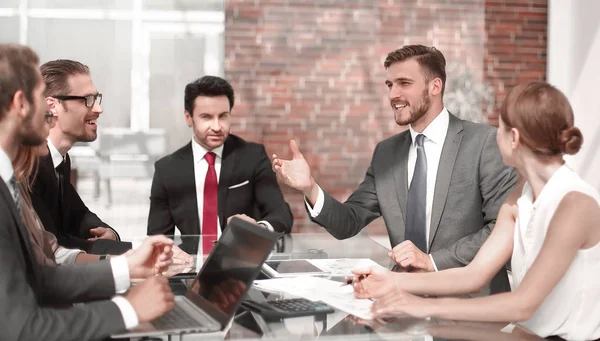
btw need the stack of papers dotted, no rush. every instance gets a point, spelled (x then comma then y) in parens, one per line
(319, 289)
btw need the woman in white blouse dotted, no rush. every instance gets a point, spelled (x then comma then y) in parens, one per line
(548, 228)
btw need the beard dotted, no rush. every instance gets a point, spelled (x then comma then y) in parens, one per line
(417, 111)
(30, 136)
(87, 137)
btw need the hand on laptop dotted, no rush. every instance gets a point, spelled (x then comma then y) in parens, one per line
(151, 258)
(151, 299)
(373, 282)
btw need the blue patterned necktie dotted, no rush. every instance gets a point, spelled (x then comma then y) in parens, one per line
(417, 199)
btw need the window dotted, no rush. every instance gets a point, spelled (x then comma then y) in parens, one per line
(141, 55)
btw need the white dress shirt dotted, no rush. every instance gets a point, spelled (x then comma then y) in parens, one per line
(200, 169)
(435, 135)
(57, 157)
(119, 266)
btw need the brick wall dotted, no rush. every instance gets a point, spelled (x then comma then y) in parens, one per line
(515, 45)
(312, 70)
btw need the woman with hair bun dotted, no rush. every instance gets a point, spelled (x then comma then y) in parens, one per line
(548, 229)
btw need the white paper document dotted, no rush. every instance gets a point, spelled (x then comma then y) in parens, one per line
(342, 266)
(311, 288)
(320, 289)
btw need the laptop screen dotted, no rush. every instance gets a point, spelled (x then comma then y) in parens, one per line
(233, 266)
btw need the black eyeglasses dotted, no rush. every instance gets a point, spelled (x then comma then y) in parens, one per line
(89, 99)
(49, 117)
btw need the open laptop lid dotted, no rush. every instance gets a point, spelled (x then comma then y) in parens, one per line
(231, 268)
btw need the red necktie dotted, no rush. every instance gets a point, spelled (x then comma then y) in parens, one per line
(210, 212)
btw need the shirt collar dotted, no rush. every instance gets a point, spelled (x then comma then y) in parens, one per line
(557, 179)
(6, 168)
(436, 130)
(57, 158)
(198, 151)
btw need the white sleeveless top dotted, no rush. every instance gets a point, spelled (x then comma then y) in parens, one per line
(572, 310)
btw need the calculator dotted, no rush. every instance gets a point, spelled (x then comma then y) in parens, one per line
(293, 307)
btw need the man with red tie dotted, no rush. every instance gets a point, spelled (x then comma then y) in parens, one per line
(215, 176)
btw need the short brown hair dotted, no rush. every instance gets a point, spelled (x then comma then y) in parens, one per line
(18, 71)
(56, 75)
(430, 59)
(544, 118)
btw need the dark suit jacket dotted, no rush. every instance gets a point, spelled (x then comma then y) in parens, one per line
(173, 194)
(72, 223)
(29, 291)
(471, 185)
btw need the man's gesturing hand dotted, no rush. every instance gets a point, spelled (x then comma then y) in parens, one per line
(151, 258)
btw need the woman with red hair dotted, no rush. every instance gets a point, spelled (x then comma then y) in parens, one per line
(548, 229)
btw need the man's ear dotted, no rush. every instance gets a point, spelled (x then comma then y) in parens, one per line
(188, 118)
(52, 103)
(19, 101)
(435, 86)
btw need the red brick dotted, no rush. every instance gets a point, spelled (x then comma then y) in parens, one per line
(312, 71)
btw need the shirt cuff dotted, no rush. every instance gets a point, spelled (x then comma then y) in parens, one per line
(115, 233)
(136, 243)
(316, 210)
(267, 225)
(433, 262)
(129, 316)
(120, 270)
(66, 256)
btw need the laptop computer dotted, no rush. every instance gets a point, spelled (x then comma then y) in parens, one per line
(220, 286)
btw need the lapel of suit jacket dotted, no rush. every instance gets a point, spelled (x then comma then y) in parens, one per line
(21, 229)
(67, 168)
(67, 181)
(444, 173)
(401, 182)
(186, 170)
(227, 165)
(47, 167)
(52, 187)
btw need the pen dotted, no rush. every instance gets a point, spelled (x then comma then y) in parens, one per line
(351, 280)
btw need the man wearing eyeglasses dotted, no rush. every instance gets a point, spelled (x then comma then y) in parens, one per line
(75, 106)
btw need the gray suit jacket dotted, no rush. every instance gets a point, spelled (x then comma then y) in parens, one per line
(471, 185)
(30, 293)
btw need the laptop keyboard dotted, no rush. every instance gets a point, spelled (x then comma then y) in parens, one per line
(298, 304)
(179, 318)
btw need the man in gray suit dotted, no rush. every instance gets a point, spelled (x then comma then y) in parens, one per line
(439, 185)
(29, 292)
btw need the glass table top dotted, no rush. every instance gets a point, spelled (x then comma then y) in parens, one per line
(338, 325)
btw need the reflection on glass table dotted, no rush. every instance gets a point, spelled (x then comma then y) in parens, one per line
(339, 325)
